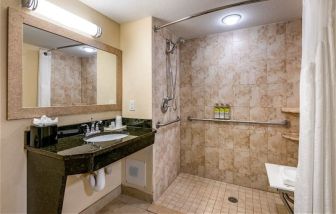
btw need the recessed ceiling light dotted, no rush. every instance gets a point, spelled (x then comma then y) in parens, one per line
(231, 19)
(89, 49)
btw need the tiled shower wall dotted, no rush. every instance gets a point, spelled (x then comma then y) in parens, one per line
(166, 149)
(256, 71)
(73, 79)
(89, 80)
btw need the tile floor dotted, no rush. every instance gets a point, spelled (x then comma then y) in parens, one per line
(193, 194)
(190, 194)
(124, 204)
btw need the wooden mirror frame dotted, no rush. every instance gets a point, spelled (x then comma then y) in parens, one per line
(15, 109)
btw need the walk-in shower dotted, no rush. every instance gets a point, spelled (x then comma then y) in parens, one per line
(171, 75)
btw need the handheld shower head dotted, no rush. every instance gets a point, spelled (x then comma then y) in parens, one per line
(171, 46)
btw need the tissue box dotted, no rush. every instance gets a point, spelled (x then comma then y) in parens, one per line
(41, 136)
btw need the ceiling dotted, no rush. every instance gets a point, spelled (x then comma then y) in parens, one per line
(47, 40)
(169, 10)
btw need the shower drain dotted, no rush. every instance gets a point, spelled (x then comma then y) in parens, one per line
(233, 199)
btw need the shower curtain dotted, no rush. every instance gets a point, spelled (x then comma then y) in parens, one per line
(44, 79)
(315, 190)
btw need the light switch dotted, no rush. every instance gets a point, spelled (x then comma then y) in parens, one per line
(131, 106)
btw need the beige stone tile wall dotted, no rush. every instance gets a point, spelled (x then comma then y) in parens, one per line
(65, 79)
(73, 80)
(256, 70)
(89, 80)
(166, 149)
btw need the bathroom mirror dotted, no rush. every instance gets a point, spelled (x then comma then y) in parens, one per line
(57, 71)
(54, 71)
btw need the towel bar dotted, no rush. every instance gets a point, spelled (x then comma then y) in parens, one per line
(159, 124)
(281, 123)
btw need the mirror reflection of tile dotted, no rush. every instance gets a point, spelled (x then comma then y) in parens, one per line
(58, 71)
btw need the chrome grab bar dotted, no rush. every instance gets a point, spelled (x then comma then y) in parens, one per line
(159, 124)
(281, 123)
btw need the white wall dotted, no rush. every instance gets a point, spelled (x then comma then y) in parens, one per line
(84, 193)
(136, 44)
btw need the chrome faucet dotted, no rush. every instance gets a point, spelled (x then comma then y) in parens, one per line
(87, 132)
(97, 126)
(94, 128)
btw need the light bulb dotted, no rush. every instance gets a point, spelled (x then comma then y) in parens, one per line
(231, 19)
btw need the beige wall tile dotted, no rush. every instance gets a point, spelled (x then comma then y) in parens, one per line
(168, 149)
(257, 71)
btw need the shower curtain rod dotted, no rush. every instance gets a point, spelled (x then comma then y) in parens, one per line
(157, 28)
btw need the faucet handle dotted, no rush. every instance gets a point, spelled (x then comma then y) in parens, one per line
(87, 128)
(97, 125)
(92, 126)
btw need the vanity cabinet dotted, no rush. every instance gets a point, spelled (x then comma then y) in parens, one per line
(48, 167)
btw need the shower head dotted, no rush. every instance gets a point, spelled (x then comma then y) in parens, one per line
(171, 46)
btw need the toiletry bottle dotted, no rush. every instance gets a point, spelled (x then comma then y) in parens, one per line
(227, 112)
(221, 111)
(216, 110)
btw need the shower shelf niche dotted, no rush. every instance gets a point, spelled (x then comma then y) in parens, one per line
(291, 110)
(291, 136)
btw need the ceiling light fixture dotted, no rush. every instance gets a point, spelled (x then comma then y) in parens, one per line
(58, 14)
(89, 49)
(231, 19)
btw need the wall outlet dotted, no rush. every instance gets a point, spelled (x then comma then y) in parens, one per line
(131, 106)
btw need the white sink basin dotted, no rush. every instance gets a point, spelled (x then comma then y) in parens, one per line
(281, 177)
(288, 175)
(104, 138)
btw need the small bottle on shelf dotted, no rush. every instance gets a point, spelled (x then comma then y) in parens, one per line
(221, 111)
(216, 111)
(227, 112)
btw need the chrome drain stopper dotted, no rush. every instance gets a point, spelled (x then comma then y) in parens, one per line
(233, 199)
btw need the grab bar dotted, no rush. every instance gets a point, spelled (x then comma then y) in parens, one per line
(281, 123)
(159, 124)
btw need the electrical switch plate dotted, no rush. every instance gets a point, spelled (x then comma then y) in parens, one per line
(131, 106)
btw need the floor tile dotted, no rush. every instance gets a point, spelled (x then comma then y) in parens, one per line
(193, 194)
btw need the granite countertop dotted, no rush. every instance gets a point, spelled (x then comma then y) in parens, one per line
(75, 146)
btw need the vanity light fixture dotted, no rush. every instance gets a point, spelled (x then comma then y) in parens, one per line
(231, 19)
(58, 14)
(89, 49)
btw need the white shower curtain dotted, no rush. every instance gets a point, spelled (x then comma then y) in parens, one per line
(315, 190)
(44, 78)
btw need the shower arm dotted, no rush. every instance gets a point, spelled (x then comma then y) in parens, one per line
(157, 28)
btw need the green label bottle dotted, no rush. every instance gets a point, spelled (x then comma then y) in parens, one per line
(216, 111)
(221, 111)
(227, 112)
